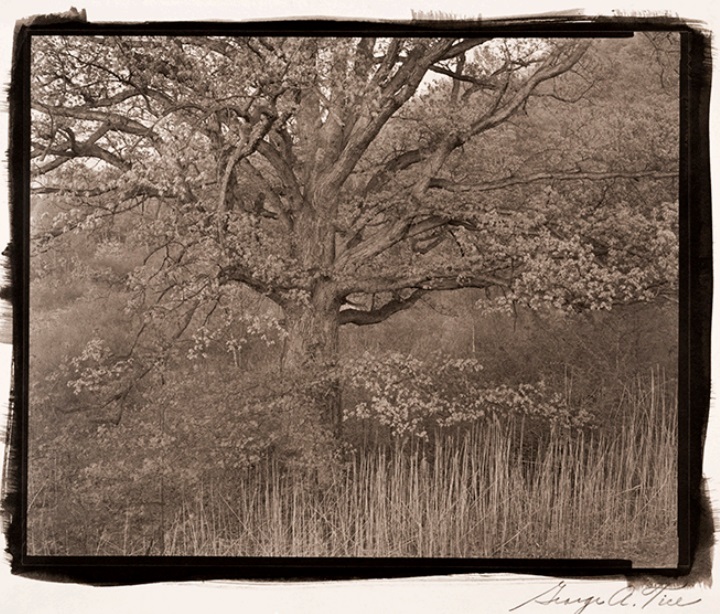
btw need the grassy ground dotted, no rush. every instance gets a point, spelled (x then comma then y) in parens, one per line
(478, 494)
(492, 490)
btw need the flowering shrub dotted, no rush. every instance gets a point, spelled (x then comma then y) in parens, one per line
(411, 396)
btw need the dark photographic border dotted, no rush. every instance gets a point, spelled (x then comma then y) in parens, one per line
(694, 515)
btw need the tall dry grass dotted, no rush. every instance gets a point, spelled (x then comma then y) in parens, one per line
(496, 489)
(481, 493)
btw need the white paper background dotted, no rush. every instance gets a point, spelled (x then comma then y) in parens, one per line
(447, 595)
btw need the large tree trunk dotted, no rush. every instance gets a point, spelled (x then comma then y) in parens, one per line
(310, 353)
(311, 348)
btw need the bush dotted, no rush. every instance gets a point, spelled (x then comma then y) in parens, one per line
(415, 397)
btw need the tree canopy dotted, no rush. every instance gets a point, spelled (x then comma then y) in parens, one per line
(340, 180)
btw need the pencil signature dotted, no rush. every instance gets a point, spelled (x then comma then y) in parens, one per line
(628, 596)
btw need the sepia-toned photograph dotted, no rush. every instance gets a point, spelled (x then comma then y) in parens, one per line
(354, 296)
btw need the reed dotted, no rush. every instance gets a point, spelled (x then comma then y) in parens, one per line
(477, 493)
(483, 491)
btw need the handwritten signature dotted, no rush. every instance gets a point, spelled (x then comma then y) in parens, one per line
(628, 596)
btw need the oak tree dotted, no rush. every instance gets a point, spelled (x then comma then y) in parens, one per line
(345, 179)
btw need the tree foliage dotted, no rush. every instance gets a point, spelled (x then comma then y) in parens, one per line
(284, 187)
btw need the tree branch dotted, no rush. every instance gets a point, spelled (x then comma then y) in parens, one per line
(558, 62)
(114, 120)
(421, 285)
(361, 317)
(239, 273)
(499, 184)
(421, 281)
(243, 150)
(397, 92)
